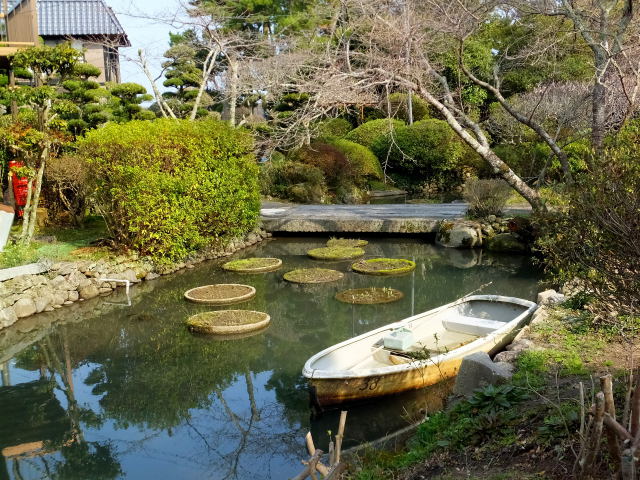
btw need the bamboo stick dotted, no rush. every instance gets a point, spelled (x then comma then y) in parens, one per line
(615, 427)
(340, 435)
(310, 467)
(610, 409)
(635, 411)
(594, 445)
(311, 448)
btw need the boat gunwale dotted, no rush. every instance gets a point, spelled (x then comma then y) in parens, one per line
(316, 374)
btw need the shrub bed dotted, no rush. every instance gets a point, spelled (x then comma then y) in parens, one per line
(168, 188)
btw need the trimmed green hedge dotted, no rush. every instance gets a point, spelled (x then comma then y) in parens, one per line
(427, 149)
(399, 103)
(361, 157)
(169, 187)
(333, 128)
(368, 133)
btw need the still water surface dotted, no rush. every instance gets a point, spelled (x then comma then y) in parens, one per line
(102, 390)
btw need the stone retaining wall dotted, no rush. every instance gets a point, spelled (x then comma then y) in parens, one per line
(67, 282)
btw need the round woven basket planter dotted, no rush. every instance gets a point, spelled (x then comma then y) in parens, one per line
(313, 275)
(220, 294)
(369, 296)
(253, 265)
(384, 266)
(336, 253)
(346, 242)
(228, 322)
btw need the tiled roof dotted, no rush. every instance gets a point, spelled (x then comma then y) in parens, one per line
(76, 18)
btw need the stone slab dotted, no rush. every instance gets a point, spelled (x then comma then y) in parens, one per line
(30, 269)
(386, 218)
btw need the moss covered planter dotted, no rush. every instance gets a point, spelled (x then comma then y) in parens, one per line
(228, 322)
(253, 265)
(221, 294)
(346, 242)
(384, 266)
(369, 296)
(336, 253)
(313, 275)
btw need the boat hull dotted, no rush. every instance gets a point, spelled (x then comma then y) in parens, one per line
(331, 391)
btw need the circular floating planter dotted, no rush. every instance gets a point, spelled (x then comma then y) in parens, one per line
(336, 253)
(369, 296)
(228, 322)
(313, 275)
(346, 242)
(384, 266)
(220, 294)
(253, 265)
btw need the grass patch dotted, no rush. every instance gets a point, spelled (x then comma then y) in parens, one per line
(313, 275)
(69, 244)
(369, 296)
(346, 242)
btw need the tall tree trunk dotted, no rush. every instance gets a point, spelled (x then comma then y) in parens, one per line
(26, 215)
(209, 63)
(497, 164)
(233, 89)
(36, 196)
(598, 99)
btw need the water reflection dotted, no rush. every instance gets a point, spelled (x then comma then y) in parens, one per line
(134, 394)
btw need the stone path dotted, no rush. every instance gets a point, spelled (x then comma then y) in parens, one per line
(390, 218)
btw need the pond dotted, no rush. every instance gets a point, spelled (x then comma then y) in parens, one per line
(103, 389)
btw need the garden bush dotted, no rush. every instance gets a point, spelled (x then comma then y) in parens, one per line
(361, 157)
(398, 107)
(293, 181)
(332, 161)
(426, 150)
(528, 159)
(367, 133)
(332, 128)
(168, 187)
(596, 238)
(486, 197)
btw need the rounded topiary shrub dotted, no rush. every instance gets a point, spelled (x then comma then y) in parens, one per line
(332, 128)
(293, 181)
(426, 149)
(367, 133)
(333, 163)
(169, 187)
(363, 159)
(398, 107)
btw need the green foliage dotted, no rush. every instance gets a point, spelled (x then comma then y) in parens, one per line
(333, 128)
(486, 197)
(368, 133)
(596, 237)
(364, 160)
(47, 61)
(293, 181)
(170, 187)
(428, 149)
(399, 107)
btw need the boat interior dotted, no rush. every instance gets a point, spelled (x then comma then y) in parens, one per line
(424, 337)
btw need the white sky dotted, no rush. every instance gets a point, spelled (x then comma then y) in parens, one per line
(147, 23)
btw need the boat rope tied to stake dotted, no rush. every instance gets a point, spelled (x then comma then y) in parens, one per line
(336, 468)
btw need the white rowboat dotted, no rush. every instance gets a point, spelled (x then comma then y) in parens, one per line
(415, 352)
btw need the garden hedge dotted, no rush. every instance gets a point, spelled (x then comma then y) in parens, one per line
(169, 187)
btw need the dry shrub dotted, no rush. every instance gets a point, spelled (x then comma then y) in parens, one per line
(486, 197)
(66, 189)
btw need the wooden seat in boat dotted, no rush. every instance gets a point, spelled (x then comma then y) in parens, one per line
(472, 325)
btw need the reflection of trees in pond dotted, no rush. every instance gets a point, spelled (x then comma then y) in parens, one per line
(44, 426)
